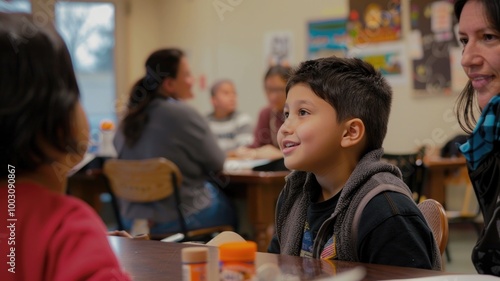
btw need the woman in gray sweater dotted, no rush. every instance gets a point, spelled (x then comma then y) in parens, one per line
(158, 123)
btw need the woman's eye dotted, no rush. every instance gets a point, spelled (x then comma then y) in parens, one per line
(463, 41)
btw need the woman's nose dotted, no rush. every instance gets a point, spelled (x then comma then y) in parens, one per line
(471, 55)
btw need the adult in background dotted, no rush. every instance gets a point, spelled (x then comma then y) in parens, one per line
(271, 117)
(159, 123)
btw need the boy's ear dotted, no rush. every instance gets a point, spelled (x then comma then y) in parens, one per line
(354, 132)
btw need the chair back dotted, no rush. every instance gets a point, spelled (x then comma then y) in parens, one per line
(151, 180)
(412, 168)
(460, 182)
(142, 180)
(435, 216)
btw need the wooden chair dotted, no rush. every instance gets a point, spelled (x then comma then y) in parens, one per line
(413, 169)
(469, 211)
(435, 216)
(151, 180)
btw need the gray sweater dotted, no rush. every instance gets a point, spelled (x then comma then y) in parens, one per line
(179, 133)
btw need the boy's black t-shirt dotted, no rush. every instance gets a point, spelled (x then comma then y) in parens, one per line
(317, 213)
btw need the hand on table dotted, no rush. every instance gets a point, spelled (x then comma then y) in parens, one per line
(123, 233)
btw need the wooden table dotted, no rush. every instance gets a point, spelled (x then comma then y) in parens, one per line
(438, 168)
(154, 260)
(262, 191)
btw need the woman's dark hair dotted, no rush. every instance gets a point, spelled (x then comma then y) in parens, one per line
(38, 93)
(160, 65)
(465, 105)
(283, 71)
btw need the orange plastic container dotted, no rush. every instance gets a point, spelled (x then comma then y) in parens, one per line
(237, 260)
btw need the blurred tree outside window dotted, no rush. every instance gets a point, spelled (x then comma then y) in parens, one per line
(89, 31)
(15, 6)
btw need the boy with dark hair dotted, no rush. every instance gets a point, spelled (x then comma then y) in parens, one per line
(342, 202)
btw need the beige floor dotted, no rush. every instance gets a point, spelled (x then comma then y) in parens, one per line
(460, 243)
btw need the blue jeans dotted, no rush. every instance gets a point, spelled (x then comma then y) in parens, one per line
(219, 212)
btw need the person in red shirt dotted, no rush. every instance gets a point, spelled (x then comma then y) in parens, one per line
(44, 234)
(271, 118)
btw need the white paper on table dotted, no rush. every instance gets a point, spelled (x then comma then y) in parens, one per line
(355, 274)
(465, 277)
(87, 157)
(237, 164)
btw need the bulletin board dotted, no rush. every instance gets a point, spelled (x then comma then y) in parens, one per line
(433, 39)
(377, 33)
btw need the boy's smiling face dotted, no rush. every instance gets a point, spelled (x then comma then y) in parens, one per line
(310, 137)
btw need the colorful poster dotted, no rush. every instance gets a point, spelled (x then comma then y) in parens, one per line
(327, 38)
(387, 63)
(389, 59)
(377, 21)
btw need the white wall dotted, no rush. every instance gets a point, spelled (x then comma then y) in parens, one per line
(144, 35)
(232, 46)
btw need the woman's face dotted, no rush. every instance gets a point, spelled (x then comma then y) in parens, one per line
(275, 88)
(481, 53)
(180, 87)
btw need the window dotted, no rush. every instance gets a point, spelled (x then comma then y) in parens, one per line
(90, 30)
(14, 6)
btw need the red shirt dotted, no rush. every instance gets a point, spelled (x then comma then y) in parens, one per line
(50, 236)
(267, 128)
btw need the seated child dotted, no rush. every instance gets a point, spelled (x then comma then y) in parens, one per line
(52, 236)
(336, 116)
(232, 128)
(265, 144)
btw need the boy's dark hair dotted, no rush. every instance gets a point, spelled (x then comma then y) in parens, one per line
(160, 65)
(354, 89)
(38, 93)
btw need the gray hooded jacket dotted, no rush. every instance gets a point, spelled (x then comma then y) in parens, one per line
(369, 174)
